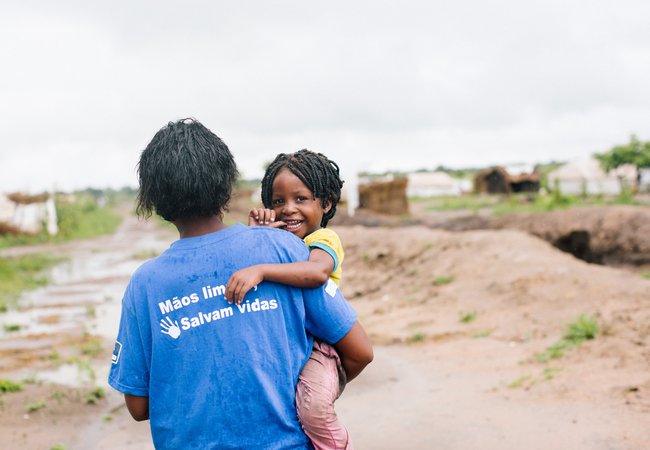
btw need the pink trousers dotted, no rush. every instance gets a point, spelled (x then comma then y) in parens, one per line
(320, 383)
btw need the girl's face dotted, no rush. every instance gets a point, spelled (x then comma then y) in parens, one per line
(295, 204)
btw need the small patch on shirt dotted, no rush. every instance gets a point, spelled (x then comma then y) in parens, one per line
(331, 288)
(116, 352)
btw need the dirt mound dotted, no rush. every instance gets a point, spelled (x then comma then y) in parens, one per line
(487, 291)
(610, 235)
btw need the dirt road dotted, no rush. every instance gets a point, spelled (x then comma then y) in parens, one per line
(409, 399)
(435, 383)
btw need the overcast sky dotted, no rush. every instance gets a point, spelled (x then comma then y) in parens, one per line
(376, 85)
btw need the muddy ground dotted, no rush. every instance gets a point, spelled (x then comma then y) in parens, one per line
(457, 319)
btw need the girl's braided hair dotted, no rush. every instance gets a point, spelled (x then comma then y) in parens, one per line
(315, 170)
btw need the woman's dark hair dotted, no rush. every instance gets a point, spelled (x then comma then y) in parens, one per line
(315, 170)
(185, 171)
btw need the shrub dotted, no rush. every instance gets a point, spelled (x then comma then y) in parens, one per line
(9, 386)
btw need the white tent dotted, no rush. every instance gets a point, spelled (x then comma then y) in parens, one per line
(587, 177)
(431, 184)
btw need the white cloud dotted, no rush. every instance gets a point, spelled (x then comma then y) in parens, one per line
(376, 85)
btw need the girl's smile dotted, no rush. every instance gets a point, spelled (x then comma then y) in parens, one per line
(295, 204)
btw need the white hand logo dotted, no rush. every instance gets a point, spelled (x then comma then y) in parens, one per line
(170, 328)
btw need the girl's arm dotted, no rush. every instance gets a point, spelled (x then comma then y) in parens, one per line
(307, 274)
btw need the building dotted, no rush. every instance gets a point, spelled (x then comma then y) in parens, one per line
(23, 213)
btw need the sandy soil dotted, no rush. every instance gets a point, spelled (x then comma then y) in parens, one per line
(436, 382)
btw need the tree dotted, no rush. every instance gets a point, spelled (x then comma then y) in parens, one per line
(636, 152)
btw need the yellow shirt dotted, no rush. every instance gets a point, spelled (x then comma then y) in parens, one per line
(328, 241)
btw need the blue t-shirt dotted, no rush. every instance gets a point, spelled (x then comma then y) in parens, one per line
(220, 375)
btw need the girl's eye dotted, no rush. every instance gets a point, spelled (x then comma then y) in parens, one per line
(301, 199)
(277, 202)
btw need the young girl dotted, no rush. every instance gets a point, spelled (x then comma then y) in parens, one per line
(300, 192)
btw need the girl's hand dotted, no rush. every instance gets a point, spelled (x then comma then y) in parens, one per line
(241, 282)
(263, 217)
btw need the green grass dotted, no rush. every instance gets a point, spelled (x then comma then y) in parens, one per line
(91, 347)
(482, 334)
(549, 372)
(441, 280)
(582, 329)
(78, 219)
(22, 273)
(35, 406)
(455, 203)
(31, 379)
(417, 337)
(9, 386)
(467, 317)
(95, 395)
(55, 357)
(555, 351)
(84, 219)
(526, 380)
(521, 202)
(58, 396)
(646, 275)
(11, 327)
(145, 254)
(84, 365)
(526, 203)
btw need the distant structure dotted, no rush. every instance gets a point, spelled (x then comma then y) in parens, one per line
(385, 197)
(528, 182)
(497, 180)
(28, 214)
(586, 177)
(643, 180)
(492, 181)
(433, 184)
(350, 192)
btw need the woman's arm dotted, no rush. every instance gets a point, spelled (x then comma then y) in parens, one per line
(306, 274)
(137, 406)
(355, 351)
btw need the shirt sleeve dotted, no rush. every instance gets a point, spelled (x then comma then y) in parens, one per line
(328, 316)
(328, 241)
(129, 372)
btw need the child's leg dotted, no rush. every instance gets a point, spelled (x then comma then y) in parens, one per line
(319, 385)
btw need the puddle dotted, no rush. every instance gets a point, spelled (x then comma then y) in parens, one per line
(71, 375)
(39, 321)
(95, 267)
(84, 296)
